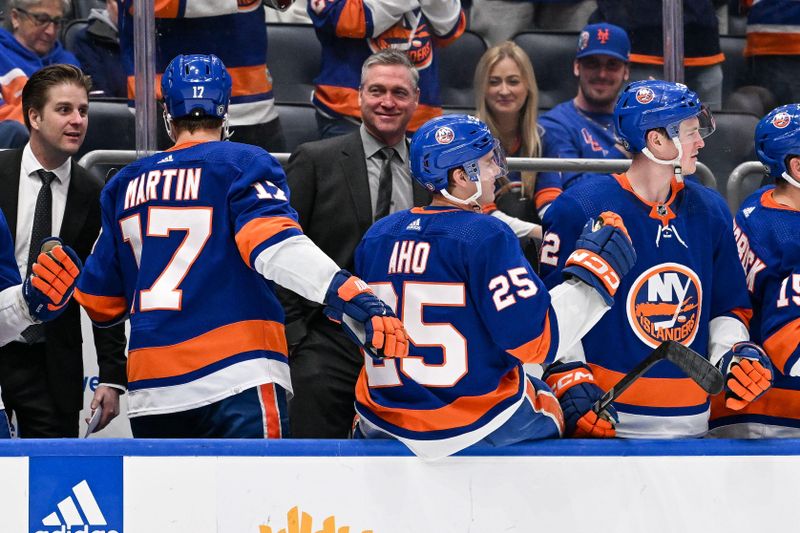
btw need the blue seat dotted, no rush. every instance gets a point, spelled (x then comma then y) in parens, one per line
(112, 126)
(552, 54)
(299, 124)
(457, 63)
(293, 57)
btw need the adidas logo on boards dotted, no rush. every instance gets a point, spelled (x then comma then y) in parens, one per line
(85, 517)
(167, 159)
(414, 226)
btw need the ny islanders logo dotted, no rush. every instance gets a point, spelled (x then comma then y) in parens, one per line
(781, 120)
(411, 37)
(664, 304)
(444, 135)
(645, 95)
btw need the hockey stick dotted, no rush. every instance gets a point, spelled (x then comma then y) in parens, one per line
(692, 363)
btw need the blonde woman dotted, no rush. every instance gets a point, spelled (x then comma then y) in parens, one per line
(506, 100)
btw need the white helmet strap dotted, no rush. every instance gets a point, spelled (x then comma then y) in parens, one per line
(791, 180)
(676, 162)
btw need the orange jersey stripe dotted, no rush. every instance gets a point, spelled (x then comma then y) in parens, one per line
(703, 61)
(441, 42)
(462, 412)
(102, 308)
(259, 230)
(546, 196)
(535, 351)
(772, 44)
(744, 315)
(166, 8)
(652, 392)
(208, 348)
(249, 80)
(352, 21)
(782, 344)
(546, 403)
(272, 419)
(781, 403)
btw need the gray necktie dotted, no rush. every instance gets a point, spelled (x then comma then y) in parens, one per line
(42, 228)
(384, 202)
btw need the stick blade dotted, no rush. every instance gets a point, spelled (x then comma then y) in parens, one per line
(695, 366)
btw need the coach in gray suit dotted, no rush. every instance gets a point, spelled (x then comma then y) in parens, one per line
(339, 187)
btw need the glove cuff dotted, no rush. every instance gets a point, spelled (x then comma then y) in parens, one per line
(563, 376)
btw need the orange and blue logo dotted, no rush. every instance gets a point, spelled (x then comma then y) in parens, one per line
(415, 41)
(664, 303)
(645, 95)
(781, 120)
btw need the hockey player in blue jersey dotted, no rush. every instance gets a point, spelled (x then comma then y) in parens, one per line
(686, 285)
(42, 297)
(766, 230)
(474, 310)
(191, 242)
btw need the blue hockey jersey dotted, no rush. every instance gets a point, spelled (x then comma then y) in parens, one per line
(767, 239)
(685, 276)
(572, 133)
(180, 234)
(475, 312)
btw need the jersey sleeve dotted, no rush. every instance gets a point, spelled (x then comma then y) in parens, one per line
(780, 321)
(259, 208)
(562, 223)
(9, 273)
(201, 8)
(357, 19)
(512, 301)
(100, 288)
(729, 291)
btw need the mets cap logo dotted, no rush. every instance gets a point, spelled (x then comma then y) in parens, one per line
(444, 135)
(645, 95)
(781, 120)
(664, 303)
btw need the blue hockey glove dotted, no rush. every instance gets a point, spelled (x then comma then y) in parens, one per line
(364, 317)
(49, 287)
(748, 374)
(574, 386)
(603, 254)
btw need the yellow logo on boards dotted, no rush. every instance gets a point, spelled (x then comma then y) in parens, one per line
(301, 523)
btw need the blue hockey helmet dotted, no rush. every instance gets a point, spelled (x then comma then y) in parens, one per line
(451, 141)
(650, 104)
(196, 85)
(778, 136)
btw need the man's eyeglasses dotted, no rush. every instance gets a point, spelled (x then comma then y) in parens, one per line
(41, 19)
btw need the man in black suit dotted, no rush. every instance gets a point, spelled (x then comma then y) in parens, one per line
(42, 191)
(339, 186)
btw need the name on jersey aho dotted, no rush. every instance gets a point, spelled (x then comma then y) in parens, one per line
(409, 257)
(165, 184)
(664, 303)
(750, 262)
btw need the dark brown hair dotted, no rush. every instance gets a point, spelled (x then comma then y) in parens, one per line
(34, 94)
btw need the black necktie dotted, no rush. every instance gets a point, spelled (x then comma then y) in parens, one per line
(385, 184)
(42, 228)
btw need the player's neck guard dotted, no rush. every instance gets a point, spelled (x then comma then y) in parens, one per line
(793, 182)
(675, 163)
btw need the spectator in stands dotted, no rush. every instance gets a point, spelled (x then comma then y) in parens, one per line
(350, 31)
(97, 48)
(584, 126)
(238, 36)
(703, 57)
(506, 99)
(339, 187)
(499, 20)
(44, 192)
(28, 42)
(773, 46)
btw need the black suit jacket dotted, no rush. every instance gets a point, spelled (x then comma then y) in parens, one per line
(329, 189)
(79, 230)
